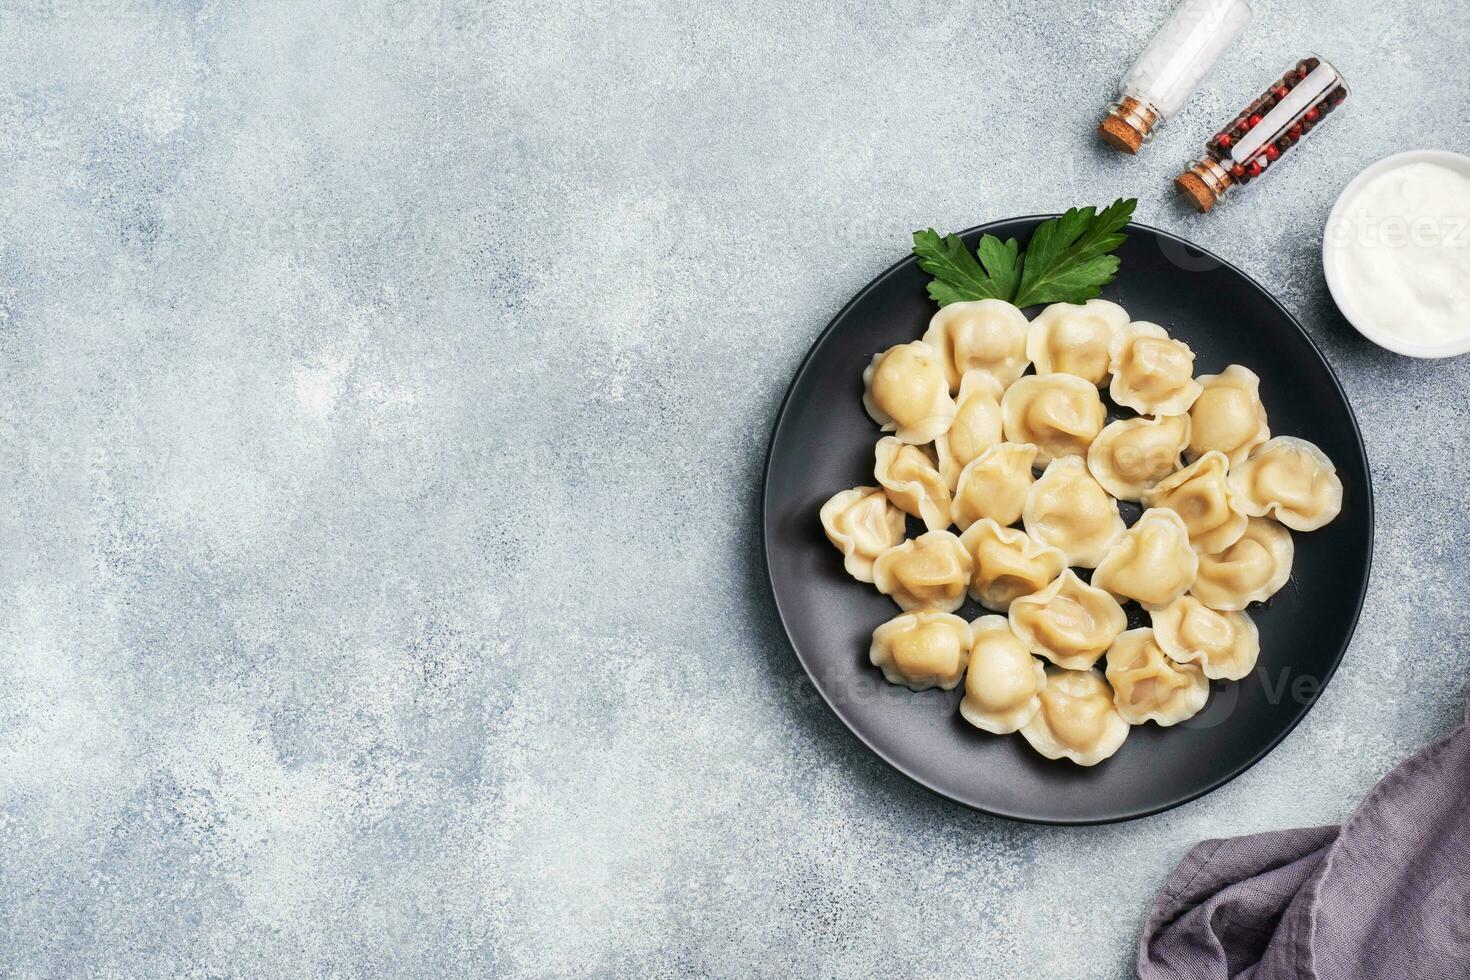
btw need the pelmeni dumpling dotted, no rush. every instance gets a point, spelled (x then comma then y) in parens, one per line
(931, 571)
(1252, 569)
(1224, 644)
(1067, 338)
(1291, 480)
(984, 335)
(1148, 686)
(1153, 563)
(906, 392)
(1007, 564)
(1200, 494)
(1153, 374)
(1069, 510)
(1069, 622)
(1228, 416)
(976, 427)
(1059, 413)
(921, 650)
(1077, 719)
(1003, 679)
(913, 482)
(1129, 456)
(862, 523)
(994, 485)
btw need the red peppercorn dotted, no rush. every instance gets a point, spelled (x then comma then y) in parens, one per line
(1272, 152)
(1312, 114)
(1295, 132)
(1254, 169)
(1280, 91)
(1223, 141)
(1301, 73)
(1237, 171)
(1253, 121)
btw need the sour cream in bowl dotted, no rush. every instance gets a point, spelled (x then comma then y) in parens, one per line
(1396, 253)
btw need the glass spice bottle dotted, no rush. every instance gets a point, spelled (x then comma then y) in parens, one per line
(1179, 57)
(1252, 143)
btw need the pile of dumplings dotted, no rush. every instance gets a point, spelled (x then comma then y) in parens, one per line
(970, 430)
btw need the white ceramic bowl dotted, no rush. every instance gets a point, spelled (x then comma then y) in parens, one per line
(1332, 255)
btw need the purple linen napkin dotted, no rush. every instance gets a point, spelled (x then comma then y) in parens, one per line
(1386, 895)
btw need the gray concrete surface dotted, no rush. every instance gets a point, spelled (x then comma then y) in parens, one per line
(383, 392)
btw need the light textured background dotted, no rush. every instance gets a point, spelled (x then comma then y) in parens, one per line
(383, 396)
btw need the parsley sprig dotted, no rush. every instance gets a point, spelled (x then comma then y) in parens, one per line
(1068, 260)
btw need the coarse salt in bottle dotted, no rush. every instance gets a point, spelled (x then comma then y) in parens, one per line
(1181, 54)
(1280, 118)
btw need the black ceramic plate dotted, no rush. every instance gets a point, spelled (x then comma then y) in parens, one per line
(823, 443)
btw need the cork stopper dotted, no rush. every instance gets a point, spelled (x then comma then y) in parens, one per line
(1196, 191)
(1203, 184)
(1119, 135)
(1128, 124)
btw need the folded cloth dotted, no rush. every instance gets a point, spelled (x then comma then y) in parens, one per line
(1386, 895)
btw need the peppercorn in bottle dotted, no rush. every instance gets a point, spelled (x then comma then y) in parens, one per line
(1294, 105)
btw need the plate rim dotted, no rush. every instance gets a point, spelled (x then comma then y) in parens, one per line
(1134, 814)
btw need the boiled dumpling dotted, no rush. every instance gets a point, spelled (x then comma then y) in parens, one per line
(1069, 622)
(1224, 644)
(921, 650)
(984, 335)
(931, 571)
(1228, 416)
(1069, 510)
(994, 485)
(976, 427)
(906, 392)
(1153, 374)
(1067, 338)
(1077, 719)
(862, 523)
(1252, 569)
(1007, 564)
(913, 482)
(1153, 563)
(1003, 679)
(1148, 686)
(1131, 455)
(1291, 480)
(1200, 494)
(1059, 413)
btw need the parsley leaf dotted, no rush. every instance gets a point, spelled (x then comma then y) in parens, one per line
(1068, 260)
(959, 277)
